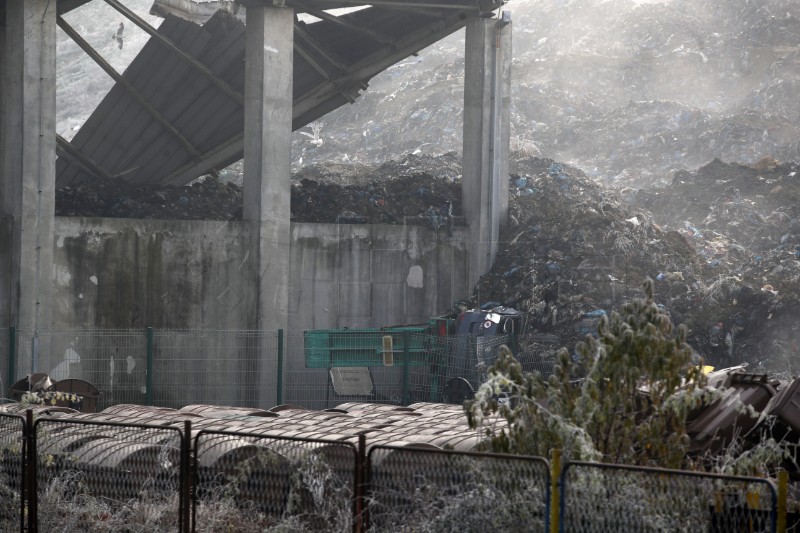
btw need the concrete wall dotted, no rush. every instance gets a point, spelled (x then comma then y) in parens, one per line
(177, 275)
(118, 273)
(6, 243)
(371, 276)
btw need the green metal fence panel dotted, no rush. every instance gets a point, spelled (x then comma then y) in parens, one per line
(93, 476)
(406, 368)
(603, 498)
(12, 472)
(222, 367)
(250, 482)
(110, 359)
(330, 348)
(413, 489)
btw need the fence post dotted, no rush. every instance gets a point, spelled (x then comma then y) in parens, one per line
(12, 359)
(360, 519)
(406, 357)
(555, 493)
(280, 368)
(186, 477)
(29, 492)
(149, 370)
(783, 494)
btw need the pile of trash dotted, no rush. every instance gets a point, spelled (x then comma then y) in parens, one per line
(627, 90)
(207, 198)
(421, 190)
(574, 251)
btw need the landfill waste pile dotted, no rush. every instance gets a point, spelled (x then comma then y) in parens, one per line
(743, 221)
(724, 252)
(421, 190)
(626, 90)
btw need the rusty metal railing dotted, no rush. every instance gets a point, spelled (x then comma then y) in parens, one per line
(121, 475)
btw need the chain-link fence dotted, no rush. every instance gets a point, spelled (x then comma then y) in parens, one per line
(124, 477)
(600, 498)
(413, 489)
(248, 482)
(12, 469)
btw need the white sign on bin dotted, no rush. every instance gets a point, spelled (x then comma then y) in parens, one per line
(351, 380)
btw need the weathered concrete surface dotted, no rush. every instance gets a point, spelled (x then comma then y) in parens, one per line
(119, 273)
(189, 275)
(487, 78)
(27, 177)
(6, 239)
(266, 193)
(372, 276)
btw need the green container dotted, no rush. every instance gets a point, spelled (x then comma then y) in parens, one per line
(328, 348)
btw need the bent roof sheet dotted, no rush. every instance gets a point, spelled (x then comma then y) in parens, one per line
(194, 127)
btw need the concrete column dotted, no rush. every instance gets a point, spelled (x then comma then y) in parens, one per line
(27, 183)
(267, 164)
(487, 98)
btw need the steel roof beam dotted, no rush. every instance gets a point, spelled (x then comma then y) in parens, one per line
(322, 15)
(216, 80)
(91, 52)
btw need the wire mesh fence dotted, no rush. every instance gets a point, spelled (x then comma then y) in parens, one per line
(12, 469)
(81, 474)
(168, 368)
(601, 498)
(93, 476)
(224, 367)
(247, 482)
(112, 360)
(412, 489)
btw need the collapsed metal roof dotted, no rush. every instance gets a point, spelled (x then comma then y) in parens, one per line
(176, 112)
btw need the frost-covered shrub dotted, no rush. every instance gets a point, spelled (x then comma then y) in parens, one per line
(622, 397)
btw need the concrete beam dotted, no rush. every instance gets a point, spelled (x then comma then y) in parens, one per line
(27, 185)
(486, 136)
(266, 193)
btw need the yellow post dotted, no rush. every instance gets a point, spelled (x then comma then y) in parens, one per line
(555, 496)
(783, 494)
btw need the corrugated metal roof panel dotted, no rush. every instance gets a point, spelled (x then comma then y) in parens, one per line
(126, 141)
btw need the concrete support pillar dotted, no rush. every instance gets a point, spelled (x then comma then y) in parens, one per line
(267, 164)
(487, 113)
(27, 177)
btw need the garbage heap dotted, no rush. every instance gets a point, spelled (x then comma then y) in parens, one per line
(415, 189)
(724, 257)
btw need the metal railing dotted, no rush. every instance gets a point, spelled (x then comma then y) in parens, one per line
(250, 481)
(124, 476)
(412, 489)
(600, 498)
(12, 472)
(76, 475)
